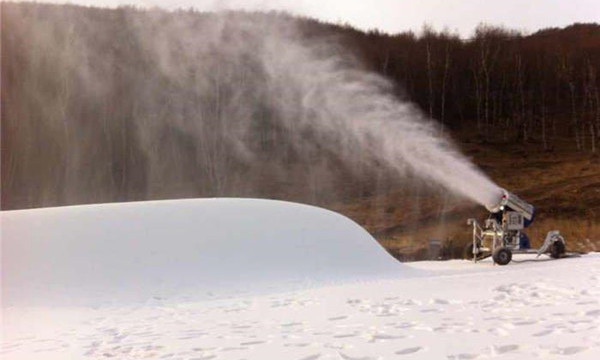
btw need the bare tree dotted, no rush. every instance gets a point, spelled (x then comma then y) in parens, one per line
(428, 35)
(444, 85)
(566, 72)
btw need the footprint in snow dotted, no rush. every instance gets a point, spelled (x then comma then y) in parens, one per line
(410, 302)
(311, 357)
(571, 350)
(439, 301)
(463, 356)
(198, 349)
(234, 348)
(321, 333)
(299, 345)
(524, 322)
(593, 313)
(208, 357)
(291, 324)
(503, 349)
(410, 350)
(384, 337)
(543, 333)
(258, 342)
(406, 325)
(498, 331)
(431, 310)
(345, 335)
(348, 357)
(590, 302)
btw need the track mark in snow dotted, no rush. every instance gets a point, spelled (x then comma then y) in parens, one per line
(431, 310)
(291, 324)
(498, 331)
(321, 333)
(345, 335)
(208, 357)
(406, 325)
(503, 349)
(383, 337)
(463, 356)
(411, 302)
(348, 357)
(543, 333)
(234, 348)
(571, 313)
(299, 345)
(337, 346)
(424, 328)
(525, 322)
(571, 350)
(241, 327)
(198, 349)
(311, 357)
(439, 302)
(587, 302)
(593, 313)
(248, 343)
(410, 350)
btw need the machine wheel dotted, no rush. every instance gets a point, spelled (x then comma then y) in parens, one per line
(502, 256)
(557, 249)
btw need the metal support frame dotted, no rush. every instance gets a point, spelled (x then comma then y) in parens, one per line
(492, 229)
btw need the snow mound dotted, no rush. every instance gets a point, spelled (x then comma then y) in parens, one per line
(191, 248)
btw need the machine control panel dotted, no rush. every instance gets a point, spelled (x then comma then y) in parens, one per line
(513, 220)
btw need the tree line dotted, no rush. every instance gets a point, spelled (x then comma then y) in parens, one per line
(505, 85)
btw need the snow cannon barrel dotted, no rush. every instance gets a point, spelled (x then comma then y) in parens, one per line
(510, 201)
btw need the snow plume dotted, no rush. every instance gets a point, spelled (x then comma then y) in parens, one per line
(314, 89)
(126, 104)
(357, 116)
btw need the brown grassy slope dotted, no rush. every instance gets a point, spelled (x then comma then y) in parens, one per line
(563, 185)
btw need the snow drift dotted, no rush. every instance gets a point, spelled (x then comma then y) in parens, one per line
(191, 248)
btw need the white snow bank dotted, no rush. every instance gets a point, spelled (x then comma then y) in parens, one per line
(194, 248)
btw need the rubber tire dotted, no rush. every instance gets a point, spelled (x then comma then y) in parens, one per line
(557, 249)
(502, 256)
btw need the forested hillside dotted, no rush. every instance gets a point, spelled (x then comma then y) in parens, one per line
(505, 84)
(104, 105)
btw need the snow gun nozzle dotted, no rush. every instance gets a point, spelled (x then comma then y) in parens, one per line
(510, 201)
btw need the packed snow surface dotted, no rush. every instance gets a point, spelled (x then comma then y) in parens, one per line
(136, 251)
(371, 308)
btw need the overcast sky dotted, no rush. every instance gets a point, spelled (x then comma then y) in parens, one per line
(400, 15)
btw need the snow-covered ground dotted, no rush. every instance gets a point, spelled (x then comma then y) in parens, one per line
(368, 308)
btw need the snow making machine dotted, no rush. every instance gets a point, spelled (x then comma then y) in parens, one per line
(502, 235)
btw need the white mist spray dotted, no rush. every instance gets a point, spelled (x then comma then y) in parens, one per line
(154, 104)
(358, 117)
(314, 87)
